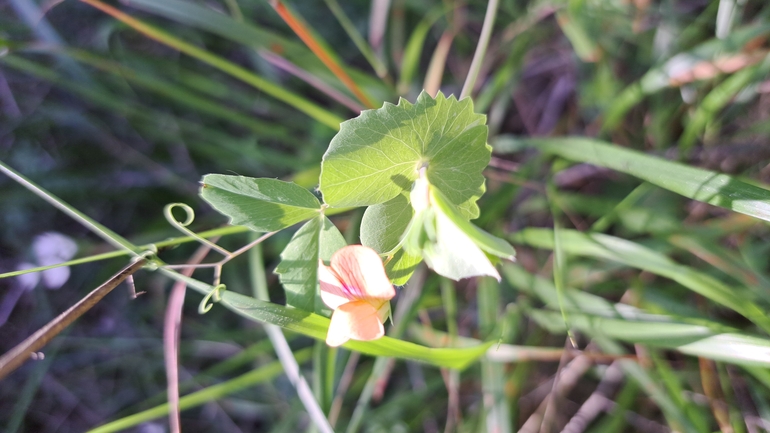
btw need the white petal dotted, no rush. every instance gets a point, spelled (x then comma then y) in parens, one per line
(56, 277)
(51, 248)
(27, 281)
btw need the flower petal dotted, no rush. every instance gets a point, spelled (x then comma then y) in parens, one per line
(362, 272)
(357, 320)
(332, 291)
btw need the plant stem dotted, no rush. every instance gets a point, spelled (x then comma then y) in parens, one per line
(481, 49)
(281, 346)
(98, 229)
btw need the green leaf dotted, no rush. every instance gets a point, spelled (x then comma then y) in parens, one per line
(383, 224)
(381, 229)
(598, 317)
(298, 270)
(315, 326)
(691, 339)
(263, 205)
(695, 183)
(401, 267)
(376, 156)
(640, 257)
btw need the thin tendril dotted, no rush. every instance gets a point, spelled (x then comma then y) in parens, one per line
(182, 226)
(251, 245)
(212, 297)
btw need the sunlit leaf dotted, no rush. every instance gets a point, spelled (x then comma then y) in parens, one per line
(376, 156)
(484, 240)
(316, 326)
(263, 205)
(445, 248)
(450, 245)
(381, 229)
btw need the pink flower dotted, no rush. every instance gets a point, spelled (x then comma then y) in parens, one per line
(356, 288)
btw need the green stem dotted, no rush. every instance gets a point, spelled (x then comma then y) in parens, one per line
(355, 36)
(481, 49)
(281, 346)
(100, 230)
(263, 374)
(113, 254)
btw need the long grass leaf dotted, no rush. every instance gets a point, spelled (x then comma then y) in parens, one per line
(363, 46)
(318, 113)
(250, 35)
(695, 183)
(259, 375)
(695, 340)
(316, 326)
(320, 49)
(638, 256)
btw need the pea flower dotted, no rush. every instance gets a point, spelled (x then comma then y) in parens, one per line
(356, 288)
(450, 244)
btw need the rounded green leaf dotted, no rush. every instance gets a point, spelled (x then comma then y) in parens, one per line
(381, 229)
(377, 155)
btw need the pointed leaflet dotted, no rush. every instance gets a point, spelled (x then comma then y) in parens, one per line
(263, 205)
(377, 155)
(382, 228)
(298, 270)
(316, 326)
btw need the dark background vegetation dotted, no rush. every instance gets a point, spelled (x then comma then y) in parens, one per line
(119, 149)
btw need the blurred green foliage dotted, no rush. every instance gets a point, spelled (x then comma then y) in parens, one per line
(669, 326)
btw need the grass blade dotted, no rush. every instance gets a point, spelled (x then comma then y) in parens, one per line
(262, 374)
(638, 256)
(320, 50)
(316, 326)
(320, 114)
(695, 183)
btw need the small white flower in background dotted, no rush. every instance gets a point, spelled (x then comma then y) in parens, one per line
(151, 427)
(52, 248)
(27, 281)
